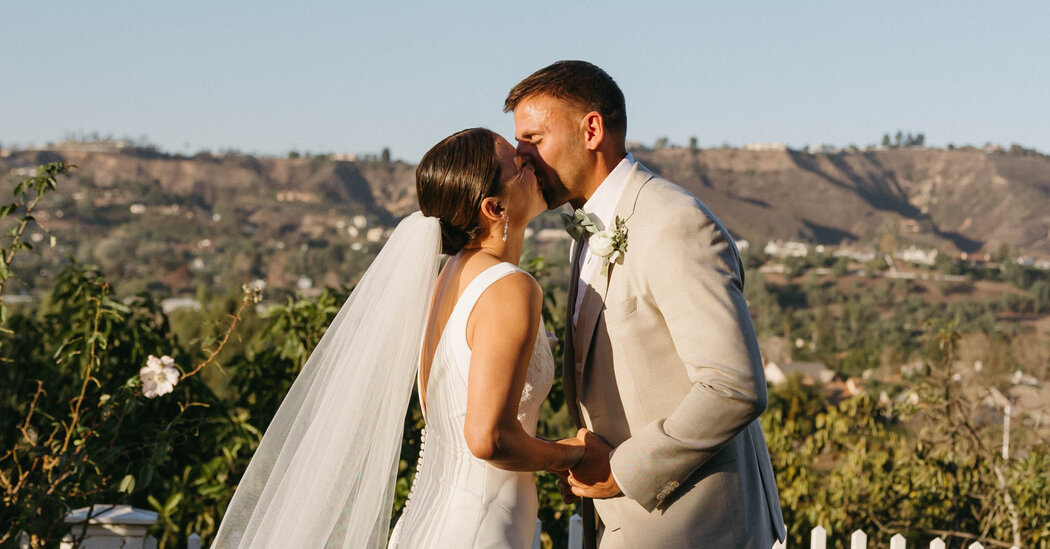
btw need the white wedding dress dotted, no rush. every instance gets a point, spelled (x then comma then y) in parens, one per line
(458, 500)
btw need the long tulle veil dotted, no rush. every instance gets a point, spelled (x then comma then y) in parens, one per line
(324, 472)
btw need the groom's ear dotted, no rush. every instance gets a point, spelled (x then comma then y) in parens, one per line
(593, 128)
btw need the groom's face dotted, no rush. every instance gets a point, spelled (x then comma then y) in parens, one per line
(548, 134)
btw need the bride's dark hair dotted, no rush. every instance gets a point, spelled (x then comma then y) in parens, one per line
(453, 178)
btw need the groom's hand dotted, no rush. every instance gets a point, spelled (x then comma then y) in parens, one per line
(592, 477)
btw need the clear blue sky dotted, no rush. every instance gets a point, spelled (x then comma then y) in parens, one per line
(268, 77)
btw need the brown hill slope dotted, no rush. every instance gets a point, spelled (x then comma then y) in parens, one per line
(963, 200)
(958, 200)
(237, 179)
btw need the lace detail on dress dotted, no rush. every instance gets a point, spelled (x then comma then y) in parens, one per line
(538, 381)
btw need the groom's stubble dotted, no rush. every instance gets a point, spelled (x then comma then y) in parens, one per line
(561, 161)
(576, 173)
(556, 190)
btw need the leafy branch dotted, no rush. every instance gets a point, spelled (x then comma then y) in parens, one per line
(251, 296)
(28, 194)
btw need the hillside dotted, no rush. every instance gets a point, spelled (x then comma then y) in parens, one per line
(215, 181)
(206, 221)
(958, 201)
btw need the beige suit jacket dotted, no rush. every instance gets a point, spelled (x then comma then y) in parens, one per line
(664, 365)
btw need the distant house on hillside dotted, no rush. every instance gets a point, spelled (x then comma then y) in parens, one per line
(811, 372)
(917, 255)
(765, 147)
(856, 254)
(789, 248)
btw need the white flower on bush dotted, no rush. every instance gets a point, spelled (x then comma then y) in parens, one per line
(159, 376)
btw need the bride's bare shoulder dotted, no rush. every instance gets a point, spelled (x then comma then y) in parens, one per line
(511, 295)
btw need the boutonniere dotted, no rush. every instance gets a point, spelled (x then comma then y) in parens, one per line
(609, 245)
(578, 224)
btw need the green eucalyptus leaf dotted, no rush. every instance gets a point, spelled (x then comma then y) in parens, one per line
(172, 503)
(127, 484)
(154, 503)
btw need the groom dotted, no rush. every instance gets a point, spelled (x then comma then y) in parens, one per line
(662, 370)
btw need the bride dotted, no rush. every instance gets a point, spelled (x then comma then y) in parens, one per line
(468, 335)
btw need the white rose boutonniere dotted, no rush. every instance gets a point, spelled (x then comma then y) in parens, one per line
(609, 245)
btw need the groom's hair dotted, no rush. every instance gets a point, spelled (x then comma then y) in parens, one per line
(579, 83)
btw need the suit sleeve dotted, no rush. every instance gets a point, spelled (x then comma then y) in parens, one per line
(695, 279)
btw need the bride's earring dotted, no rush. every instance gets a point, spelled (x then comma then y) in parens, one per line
(506, 227)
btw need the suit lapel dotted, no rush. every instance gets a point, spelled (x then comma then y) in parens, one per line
(594, 298)
(590, 308)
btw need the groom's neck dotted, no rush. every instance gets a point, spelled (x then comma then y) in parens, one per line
(604, 163)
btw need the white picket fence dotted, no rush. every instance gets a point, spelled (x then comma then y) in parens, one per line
(818, 539)
(575, 535)
(124, 526)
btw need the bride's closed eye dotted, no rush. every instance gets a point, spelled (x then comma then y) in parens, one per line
(523, 166)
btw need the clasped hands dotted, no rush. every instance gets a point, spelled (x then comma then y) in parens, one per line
(591, 477)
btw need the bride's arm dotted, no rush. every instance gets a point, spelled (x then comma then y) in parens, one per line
(502, 331)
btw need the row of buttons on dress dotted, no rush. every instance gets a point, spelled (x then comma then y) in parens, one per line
(419, 465)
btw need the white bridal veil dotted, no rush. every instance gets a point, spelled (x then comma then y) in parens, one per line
(324, 472)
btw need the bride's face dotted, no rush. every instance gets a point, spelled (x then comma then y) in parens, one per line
(521, 194)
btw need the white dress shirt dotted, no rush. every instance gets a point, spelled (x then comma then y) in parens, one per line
(601, 207)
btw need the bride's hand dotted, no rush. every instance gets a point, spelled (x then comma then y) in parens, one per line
(572, 451)
(566, 490)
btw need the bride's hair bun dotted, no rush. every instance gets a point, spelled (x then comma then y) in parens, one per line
(451, 181)
(453, 239)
